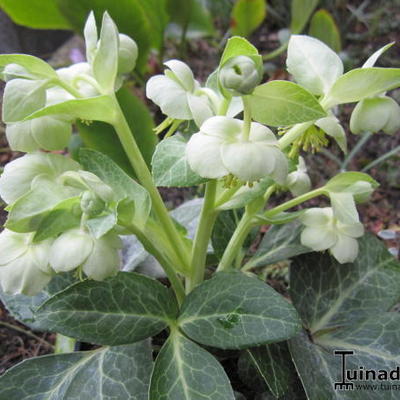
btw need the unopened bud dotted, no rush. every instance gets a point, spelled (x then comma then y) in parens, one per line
(127, 54)
(240, 75)
(91, 204)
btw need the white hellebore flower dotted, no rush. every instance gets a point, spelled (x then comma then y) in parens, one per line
(178, 94)
(24, 266)
(298, 181)
(220, 149)
(99, 258)
(18, 175)
(324, 231)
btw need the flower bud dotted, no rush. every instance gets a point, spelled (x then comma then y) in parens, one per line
(127, 54)
(374, 115)
(298, 181)
(240, 75)
(91, 204)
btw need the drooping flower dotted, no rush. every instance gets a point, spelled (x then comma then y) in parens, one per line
(98, 257)
(24, 265)
(178, 94)
(298, 181)
(324, 231)
(220, 149)
(376, 114)
(18, 175)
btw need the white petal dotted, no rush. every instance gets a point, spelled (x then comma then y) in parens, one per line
(203, 154)
(298, 183)
(281, 168)
(331, 126)
(353, 230)
(313, 64)
(70, 250)
(39, 253)
(20, 138)
(248, 161)
(103, 261)
(344, 207)
(317, 217)
(318, 238)
(200, 108)
(345, 250)
(12, 245)
(51, 133)
(183, 73)
(169, 96)
(23, 277)
(224, 127)
(260, 133)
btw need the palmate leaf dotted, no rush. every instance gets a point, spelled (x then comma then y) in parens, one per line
(185, 371)
(124, 309)
(235, 311)
(120, 372)
(345, 307)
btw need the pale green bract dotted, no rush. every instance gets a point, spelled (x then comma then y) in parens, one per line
(298, 181)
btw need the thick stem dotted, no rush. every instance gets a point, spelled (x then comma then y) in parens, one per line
(293, 133)
(236, 242)
(203, 235)
(176, 283)
(140, 167)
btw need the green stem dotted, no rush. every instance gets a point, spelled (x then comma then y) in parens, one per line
(294, 202)
(360, 144)
(223, 108)
(140, 167)
(176, 283)
(293, 133)
(226, 195)
(381, 158)
(204, 229)
(68, 88)
(276, 52)
(246, 117)
(236, 242)
(64, 344)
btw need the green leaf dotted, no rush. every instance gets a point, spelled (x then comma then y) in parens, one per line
(360, 83)
(185, 371)
(271, 363)
(344, 180)
(143, 21)
(170, 167)
(99, 108)
(223, 230)
(375, 342)
(34, 65)
(120, 372)
(39, 14)
(234, 311)
(279, 243)
(21, 98)
(102, 137)
(247, 16)
(301, 13)
(281, 103)
(328, 294)
(324, 28)
(22, 307)
(237, 46)
(124, 309)
(28, 212)
(64, 216)
(124, 187)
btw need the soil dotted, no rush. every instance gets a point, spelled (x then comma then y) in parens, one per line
(374, 27)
